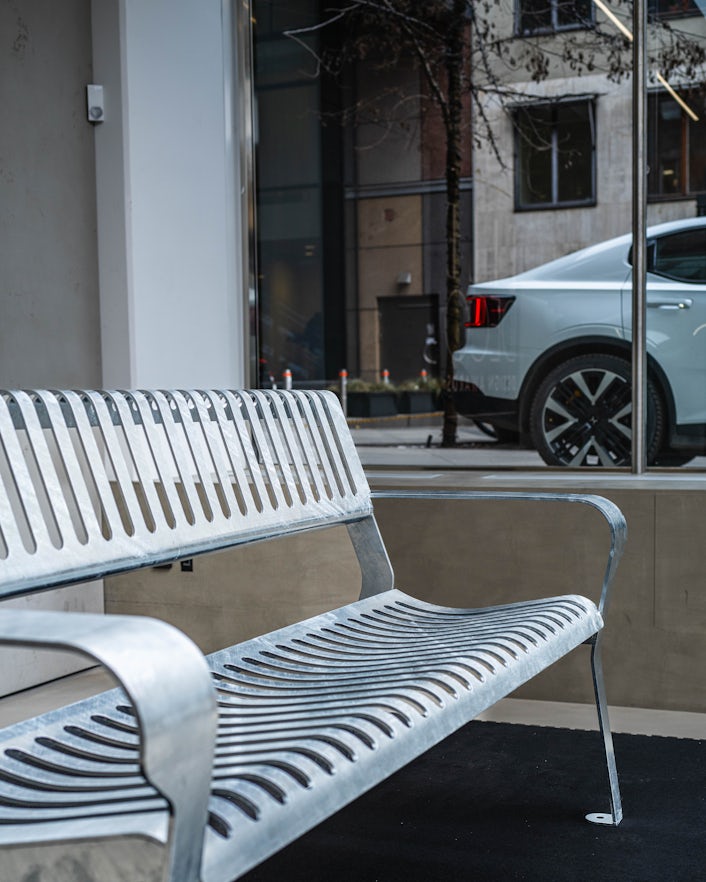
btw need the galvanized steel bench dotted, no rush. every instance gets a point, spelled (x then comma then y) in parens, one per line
(196, 771)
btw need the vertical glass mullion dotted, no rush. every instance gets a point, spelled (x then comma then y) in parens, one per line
(555, 157)
(686, 171)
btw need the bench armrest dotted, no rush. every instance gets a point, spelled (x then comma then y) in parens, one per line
(169, 684)
(610, 511)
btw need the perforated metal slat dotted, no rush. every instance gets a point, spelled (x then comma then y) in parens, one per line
(22, 479)
(341, 708)
(237, 436)
(12, 537)
(56, 516)
(309, 715)
(207, 443)
(107, 515)
(312, 472)
(327, 442)
(82, 768)
(124, 471)
(211, 468)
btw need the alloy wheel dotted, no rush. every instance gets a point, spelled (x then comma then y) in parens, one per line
(582, 414)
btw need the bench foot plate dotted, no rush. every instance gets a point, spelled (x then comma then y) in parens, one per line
(602, 818)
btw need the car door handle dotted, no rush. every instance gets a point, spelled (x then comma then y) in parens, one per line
(670, 304)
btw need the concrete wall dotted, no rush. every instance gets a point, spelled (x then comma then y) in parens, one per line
(50, 325)
(50, 332)
(121, 242)
(121, 260)
(231, 596)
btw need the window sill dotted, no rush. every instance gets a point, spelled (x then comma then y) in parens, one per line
(555, 206)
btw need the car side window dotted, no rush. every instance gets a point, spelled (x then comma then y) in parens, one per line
(681, 256)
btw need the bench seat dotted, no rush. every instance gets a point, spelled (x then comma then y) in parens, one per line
(310, 716)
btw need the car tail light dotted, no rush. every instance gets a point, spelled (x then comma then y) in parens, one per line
(486, 311)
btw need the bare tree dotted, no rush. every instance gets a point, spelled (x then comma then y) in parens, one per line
(480, 49)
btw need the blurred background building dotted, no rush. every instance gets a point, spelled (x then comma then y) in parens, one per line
(208, 221)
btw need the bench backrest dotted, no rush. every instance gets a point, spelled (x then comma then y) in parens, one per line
(97, 482)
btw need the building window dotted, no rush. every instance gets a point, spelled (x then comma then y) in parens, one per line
(673, 8)
(544, 16)
(676, 147)
(555, 155)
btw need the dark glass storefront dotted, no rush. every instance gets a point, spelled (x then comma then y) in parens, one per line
(300, 319)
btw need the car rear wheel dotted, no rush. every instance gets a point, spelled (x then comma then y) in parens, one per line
(581, 414)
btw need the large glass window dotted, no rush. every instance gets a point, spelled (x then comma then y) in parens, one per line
(300, 315)
(543, 16)
(555, 155)
(676, 145)
(544, 373)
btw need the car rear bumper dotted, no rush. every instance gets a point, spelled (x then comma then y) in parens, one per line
(472, 403)
(690, 437)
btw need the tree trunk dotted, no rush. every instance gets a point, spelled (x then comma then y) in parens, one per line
(454, 300)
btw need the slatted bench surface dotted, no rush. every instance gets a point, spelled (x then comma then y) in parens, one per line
(309, 716)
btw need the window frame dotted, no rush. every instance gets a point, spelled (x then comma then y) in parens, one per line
(555, 203)
(655, 13)
(686, 192)
(555, 27)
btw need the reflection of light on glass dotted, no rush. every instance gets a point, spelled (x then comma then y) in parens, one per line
(698, 330)
(680, 101)
(660, 79)
(614, 18)
(668, 171)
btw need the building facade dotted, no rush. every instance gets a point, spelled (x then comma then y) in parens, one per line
(564, 178)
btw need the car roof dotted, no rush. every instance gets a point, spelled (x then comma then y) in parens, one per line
(605, 260)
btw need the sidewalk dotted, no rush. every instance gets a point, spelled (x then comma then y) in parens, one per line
(415, 442)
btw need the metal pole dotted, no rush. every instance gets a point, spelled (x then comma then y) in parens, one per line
(639, 243)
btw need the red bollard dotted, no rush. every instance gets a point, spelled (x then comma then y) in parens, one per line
(343, 376)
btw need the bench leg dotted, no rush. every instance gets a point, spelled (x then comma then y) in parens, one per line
(616, 814)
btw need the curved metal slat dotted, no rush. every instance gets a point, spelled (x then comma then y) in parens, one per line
(304, 722)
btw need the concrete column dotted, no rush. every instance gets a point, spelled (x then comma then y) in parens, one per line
(169, 240)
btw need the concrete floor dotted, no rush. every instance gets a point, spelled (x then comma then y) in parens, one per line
(636, 721)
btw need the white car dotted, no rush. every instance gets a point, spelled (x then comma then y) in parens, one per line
(547, 353)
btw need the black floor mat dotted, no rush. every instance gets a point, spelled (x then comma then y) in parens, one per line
(499, 802)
